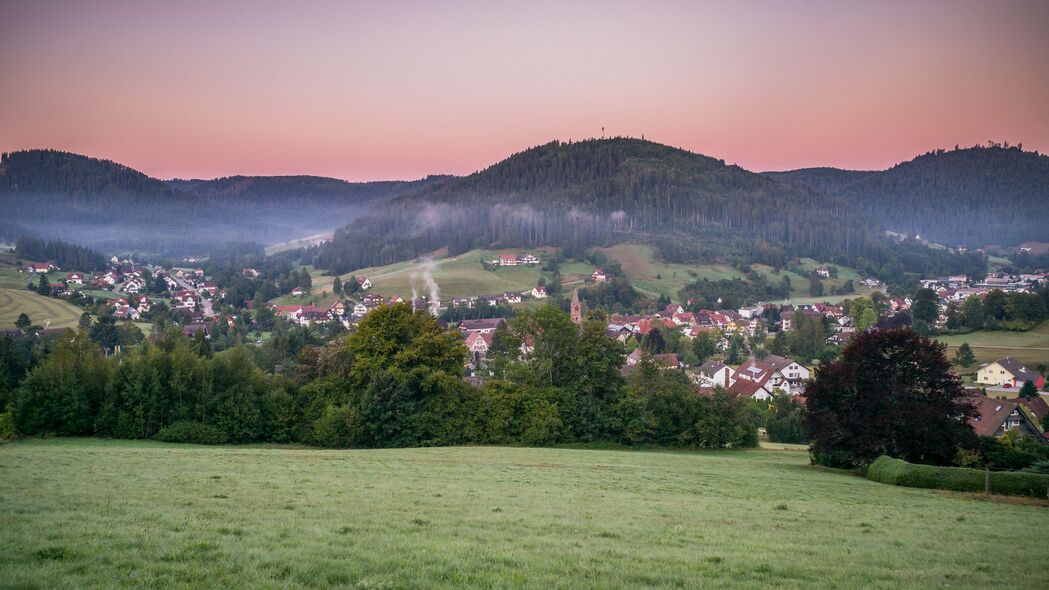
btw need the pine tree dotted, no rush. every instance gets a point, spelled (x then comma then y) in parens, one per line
(1029, 390)
(964, 356)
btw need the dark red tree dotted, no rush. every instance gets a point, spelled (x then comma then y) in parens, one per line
(890, 393)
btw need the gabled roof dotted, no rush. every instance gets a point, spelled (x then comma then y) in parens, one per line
(481, 324)
(711, 367)
(746, 388)
(1018, 370)
(990, 414)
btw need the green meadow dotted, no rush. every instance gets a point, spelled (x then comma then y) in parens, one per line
(43, 311)
(464, 275)
(80, 513)
(1031, 347)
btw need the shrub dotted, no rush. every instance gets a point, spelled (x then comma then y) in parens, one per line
(186, 431)
(339, 427)
(901, 473)
(7, 426)
(1039, 467)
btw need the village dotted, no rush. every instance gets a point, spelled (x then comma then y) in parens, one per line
(196, 303)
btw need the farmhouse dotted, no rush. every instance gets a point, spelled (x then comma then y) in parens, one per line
(40, 267)
(529, 259)
(337, 309)
(599, 276)
(74, 278)
(539, 292)
(508, 260)
(364, 283)
(1008, 372)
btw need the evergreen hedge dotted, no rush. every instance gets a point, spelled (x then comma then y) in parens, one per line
(1012, 483)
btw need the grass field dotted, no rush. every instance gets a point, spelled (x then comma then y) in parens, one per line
(461, 275)
(40, 309)
(1031, 348)
(653, 276)
(10, 273)
(464, 275)
(91, 513)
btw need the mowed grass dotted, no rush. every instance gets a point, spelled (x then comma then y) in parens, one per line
(653, 276)
(456, 276)
(1031, 347)
(43, 311)
(91, 513)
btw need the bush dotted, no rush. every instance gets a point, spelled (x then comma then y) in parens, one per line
(186, 431)
(339, 427)
(960, 479)
(7, 426)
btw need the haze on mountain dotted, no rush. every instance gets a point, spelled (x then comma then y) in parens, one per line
(114, 208)
(575, 195)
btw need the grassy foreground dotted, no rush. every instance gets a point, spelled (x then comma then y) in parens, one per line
(88, 513)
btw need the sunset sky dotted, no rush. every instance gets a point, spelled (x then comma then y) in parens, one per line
(392, 89)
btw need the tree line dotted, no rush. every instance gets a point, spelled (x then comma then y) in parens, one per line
(398, 380)
(62, 254)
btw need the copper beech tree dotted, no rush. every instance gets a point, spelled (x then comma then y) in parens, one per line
(890, 393)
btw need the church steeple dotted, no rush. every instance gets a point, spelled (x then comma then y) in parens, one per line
(577, 309)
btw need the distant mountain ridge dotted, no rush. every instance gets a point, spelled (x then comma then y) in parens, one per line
(57, 192)
(570, 194)
(967, 196)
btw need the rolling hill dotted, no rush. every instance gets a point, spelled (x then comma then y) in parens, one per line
(598, 193)
(973, 196)
(115, 208)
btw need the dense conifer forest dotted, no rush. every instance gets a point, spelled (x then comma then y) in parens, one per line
(600, 192)
(966, 196)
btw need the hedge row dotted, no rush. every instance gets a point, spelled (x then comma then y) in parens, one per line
(961, 479)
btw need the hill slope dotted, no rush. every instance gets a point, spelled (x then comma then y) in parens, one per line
(113, 207)
(973, 196)
(599, 192)
(602, 192)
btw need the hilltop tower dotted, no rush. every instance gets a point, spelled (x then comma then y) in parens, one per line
(577, 310)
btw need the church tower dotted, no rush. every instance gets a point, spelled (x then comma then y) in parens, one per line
(577, 310)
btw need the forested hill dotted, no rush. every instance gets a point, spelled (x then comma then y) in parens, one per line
(115, 208)
(598, 192)
(972, 196)
(51, 172)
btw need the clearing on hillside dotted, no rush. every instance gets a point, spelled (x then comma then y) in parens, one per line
(43, 311)
(92, 513)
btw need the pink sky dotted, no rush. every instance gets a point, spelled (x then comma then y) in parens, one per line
(402, 89)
